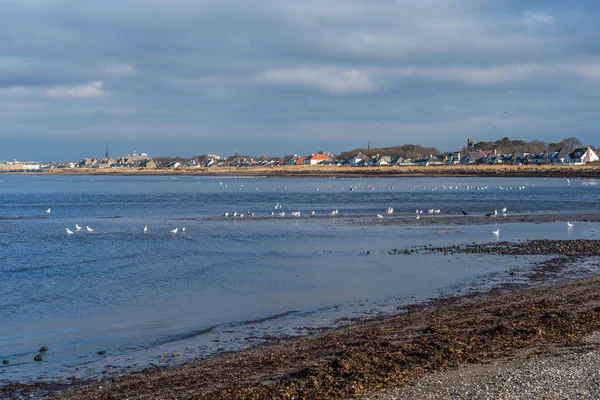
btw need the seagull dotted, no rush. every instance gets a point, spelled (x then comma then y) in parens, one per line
(390, 210)
(226, 214)
(174, 230)
(495, 212)
(78, 227)
(496, 232)
(183, 229)
(145, 229)
(69, 232)
(418, 216)
(570, 225)
(504, 210)
(379, 216)
(464, 212)
(47, 211)
(90, 230)
(312, 213)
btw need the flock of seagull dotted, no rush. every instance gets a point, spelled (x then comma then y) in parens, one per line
(390, 210)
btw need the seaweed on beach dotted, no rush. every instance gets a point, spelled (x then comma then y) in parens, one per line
(371, 356)
(529, 247)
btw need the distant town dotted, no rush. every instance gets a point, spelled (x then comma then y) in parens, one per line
(568, 151)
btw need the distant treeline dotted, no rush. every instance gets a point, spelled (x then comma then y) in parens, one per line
(412, 151)
(506, 145)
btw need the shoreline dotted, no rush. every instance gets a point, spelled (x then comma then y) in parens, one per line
(379, 354)
(316, 171)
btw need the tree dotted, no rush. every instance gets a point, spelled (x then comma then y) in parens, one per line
(572, 142)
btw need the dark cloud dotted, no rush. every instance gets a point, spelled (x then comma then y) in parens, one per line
(290, 76)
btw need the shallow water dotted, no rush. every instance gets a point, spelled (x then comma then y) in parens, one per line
(138, 295)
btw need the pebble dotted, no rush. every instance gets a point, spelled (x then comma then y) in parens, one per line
(571, 376)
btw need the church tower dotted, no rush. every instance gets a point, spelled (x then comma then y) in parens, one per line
(106, 153)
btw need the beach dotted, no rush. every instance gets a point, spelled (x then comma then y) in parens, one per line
(319, 306)
(372, 359)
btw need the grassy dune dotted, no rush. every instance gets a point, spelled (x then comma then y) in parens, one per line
(590, 170)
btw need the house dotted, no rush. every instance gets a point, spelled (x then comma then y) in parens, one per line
(580, 156)
(32, 166)
(539, 158)
(508, 159)
(423, 162)
(300, 160)
(401, 162)
(475, 157)
(452, 159)
(150, 164)
(12, 166)
(558, 156)
(383, 160)
(359, 160)
(315, 159)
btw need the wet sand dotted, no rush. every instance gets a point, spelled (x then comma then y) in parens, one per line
(380, 355)
(442, 219)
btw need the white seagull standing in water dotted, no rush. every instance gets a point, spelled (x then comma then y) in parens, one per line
(69, 232)
(90, 230)
(570, 225)
(145, 229)
(379, 216)
(174, 230)
(47, 211)
(183, 229)
(78, 227)
(496, 232)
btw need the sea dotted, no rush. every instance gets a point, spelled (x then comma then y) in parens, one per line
(118, 299)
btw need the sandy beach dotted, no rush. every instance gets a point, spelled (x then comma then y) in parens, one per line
(546, 317)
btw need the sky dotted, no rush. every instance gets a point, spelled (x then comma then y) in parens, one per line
(186, 77)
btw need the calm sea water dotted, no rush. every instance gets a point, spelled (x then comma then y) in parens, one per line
(225, 284)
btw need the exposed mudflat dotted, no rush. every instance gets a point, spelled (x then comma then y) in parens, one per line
(442, 219)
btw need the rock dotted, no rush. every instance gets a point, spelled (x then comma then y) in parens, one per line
(5, 362)
(38, 357)
(43, 349)
(101, 352)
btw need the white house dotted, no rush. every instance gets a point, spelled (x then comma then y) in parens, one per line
(29, 166)
(358, 160)
(581, 156)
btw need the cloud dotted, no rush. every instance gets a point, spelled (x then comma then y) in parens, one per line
(531, 18)
(92, 89)
(337, 81)
(270, 68)
(13, 91)
(478, 76)
(586, 71)
(118, 70)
